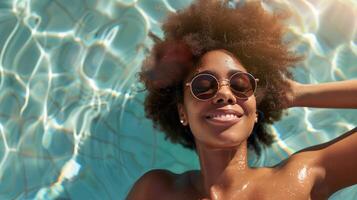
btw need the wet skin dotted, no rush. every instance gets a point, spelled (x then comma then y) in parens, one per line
(222, 147)
(222, 151)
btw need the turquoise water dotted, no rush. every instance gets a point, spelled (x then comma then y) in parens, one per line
(72, 125)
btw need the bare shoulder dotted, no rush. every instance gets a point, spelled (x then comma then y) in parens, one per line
(304, 169)
(335, 160)
(154, 184)
(305, 162)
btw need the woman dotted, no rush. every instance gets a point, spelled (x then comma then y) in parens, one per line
(216, 80)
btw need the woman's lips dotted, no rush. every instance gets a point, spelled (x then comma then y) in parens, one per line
(223, 119)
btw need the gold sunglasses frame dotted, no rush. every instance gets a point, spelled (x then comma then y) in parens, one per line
(220, 84)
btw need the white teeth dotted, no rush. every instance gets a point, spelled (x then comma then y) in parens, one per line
(224, 116)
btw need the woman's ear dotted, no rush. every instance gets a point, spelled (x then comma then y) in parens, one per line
(182, 114)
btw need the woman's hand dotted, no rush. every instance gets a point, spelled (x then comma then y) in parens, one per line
(292, 93)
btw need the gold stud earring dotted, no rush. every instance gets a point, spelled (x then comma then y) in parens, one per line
(256, 117)
(183, 122)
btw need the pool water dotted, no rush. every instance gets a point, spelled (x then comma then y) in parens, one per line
(72, 124)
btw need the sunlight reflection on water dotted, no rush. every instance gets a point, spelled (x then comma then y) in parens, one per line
(71, 122)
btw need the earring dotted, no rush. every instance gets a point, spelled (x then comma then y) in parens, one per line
(183, 122)
(256, 117)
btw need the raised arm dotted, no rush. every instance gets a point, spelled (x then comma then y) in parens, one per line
(336, 159)
(341, 94)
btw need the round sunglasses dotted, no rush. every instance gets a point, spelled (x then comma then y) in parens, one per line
(205, 86)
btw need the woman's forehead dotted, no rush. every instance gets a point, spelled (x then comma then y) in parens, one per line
(220, 62)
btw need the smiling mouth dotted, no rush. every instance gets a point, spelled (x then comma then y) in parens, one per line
(223, 118)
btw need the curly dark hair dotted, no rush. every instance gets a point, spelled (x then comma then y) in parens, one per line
(251, 34)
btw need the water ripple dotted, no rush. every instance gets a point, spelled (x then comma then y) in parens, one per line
(72, 123)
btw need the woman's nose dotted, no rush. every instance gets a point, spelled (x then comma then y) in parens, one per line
(224, 96)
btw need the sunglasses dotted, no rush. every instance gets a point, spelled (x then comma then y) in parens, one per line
(205, 86)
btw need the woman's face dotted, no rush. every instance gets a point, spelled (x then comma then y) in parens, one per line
(208, 120)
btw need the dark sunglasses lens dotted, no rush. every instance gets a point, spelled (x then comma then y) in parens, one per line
(243, 85)
(204, 86)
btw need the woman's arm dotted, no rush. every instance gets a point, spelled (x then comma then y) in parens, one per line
(341, 94)
(334, 162)
(337, 158)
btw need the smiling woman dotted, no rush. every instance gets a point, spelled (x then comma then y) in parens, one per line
(210, 120)
(205, 27)
(220, 75)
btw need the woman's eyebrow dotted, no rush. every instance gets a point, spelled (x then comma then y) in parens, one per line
(230, 72)
(233, 71)
(205, 72)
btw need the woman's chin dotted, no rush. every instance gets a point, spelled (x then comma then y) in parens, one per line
(226, 127)
(231, 136)
(225, 140)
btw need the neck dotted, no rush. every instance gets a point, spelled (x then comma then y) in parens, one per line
(220, 168)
